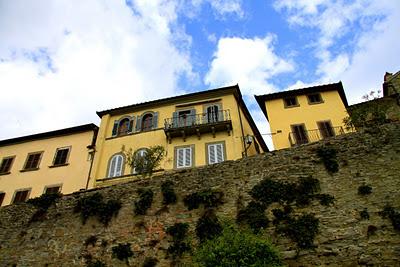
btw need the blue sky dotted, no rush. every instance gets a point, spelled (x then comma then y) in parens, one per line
(60, 61)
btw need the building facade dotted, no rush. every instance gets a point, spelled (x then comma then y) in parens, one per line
(195, 129)
(56, 161)
(305, 115)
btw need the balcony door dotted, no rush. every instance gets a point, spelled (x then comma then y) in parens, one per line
(325, 129)
(299, 134)
(213, 114)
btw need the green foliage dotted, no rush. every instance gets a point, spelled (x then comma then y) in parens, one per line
(301, 230)
(328, 156)
(325, 199)
(169, 196)
(281, 215)
(237, 247)
(370, 114)
(364, 190)
(178, 232)
(144, 202)
(150, 262)
(209, 198)
(93, 205)
(269, 191)
(371, 230)
(145, 164)
(364, 214)
(254, 216)
(208, 226)
(96, 263)
(91, 240)
(394, 216)
(122, 252)
(44, 201)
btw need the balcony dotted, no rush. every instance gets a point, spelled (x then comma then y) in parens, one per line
(188, 125)
(310, 136)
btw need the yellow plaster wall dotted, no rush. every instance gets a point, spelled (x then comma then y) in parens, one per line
(107, 146)
(280, 118)
(71, 177)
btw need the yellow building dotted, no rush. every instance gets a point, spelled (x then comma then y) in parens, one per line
(305, 115)
(56, 161)
(195, 129)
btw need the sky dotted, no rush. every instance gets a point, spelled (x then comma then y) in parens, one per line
(63, 60)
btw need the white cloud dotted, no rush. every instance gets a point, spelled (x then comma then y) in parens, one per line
(102, 55)
(249, 62)
(220, 7)
(373, 47)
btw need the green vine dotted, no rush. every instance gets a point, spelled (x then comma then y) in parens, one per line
(394, 216)
(144, 202)
(122, 252)
(42, 203)
(208, 198)
(94, 205)
(364, 190)
(178, 232)
(169, 196)
(254, 216)
(329, 158)
(208, 226)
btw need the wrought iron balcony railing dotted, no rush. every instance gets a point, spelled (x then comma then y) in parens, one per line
(310, 136)
(186, 125)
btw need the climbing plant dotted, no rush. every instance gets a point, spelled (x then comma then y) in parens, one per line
(144, 202)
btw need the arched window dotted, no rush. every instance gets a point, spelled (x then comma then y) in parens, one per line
(140, 161)
(123, 127)
(115, 167)
(147, 122)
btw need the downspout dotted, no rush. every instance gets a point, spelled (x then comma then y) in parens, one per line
(91, 146)
(241, 127)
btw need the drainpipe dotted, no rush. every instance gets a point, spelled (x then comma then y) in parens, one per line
(91, 146)
(241, 127)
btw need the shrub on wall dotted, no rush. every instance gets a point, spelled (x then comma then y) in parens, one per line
(254, 216)
(169, 196)
(394, 216)
(329, 158)
(208, 226)
(93, 205)
(144, 202)
(208, 198)
(150, 262)
(237, 247)
(42, 203)
(122, 252)
(179, 246)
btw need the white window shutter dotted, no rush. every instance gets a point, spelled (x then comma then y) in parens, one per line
(219, 152)
(211, 154)
(112, 167)
(188, 158)
(118, 168)
(180, 159)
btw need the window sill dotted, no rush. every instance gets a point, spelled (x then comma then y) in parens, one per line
(315, 103)
(4, 173)
(135, 133)
(294, 106)
(59, 165)
(28, 170)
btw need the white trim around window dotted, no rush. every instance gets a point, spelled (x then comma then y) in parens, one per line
(215, 152)
(184, 157)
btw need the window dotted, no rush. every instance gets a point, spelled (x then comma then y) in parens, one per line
(2, 195)
(52, 190)
(325, 128)
(61, 156)
(140, 161)
(290, 101)
(300, 134)
(215, 153)
(33, 160)
(123, 126)
(147, 122)
(115, 167)
(6, 164)
(314, 98)
(20, 196)
(184, 157)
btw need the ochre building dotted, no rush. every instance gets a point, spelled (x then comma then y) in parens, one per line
(56, 161)
(195, 129)
(305, 115)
